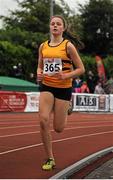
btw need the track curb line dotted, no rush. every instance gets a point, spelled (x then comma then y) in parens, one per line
(65, 173)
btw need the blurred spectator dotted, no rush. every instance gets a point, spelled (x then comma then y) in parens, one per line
(99, 89)
(17, 71)
(32, 78)
(77, 85)
(84, 87)
(91, 81)
(14, 71)
(108, 86)
(20, 70)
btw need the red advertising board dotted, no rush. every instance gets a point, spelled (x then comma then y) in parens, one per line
(12, 101)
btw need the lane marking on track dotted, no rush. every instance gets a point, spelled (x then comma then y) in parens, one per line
(19, 134)
(13, 127)
(75, 120)
(109, 121)
(36, 132)
(68, 123)
(18, 119)
(19, 122)
(55, 141)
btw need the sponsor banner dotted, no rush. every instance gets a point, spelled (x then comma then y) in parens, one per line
(12, 101)
(29, 102)
(85, 102)
(103, 102)
(111, 102)
(19, 102)
(32, 102)
(90, 102)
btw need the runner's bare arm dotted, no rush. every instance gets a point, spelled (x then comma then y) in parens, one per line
(40, 64)
(74, 56)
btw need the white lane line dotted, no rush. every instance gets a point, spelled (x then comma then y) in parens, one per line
(19, 134)
(36, 132)
(13, 127)
(90, 122)
(68, 123)
(55, 141)
(18, 119)
(19, 122)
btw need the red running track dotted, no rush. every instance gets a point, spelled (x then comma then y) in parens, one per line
(21, 150)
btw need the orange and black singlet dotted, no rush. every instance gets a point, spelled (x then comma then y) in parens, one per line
(55, 59)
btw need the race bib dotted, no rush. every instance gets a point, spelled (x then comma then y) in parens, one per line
(52, 66)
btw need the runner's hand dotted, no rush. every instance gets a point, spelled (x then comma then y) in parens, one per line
(39, 77)
(62, 75)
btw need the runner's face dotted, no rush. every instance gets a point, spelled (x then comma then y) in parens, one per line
(56, 26)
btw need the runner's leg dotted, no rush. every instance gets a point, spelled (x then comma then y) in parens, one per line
(46, 104)
(60, 114)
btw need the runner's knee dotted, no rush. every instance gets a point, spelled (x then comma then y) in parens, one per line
(59, 129)
(44, 121)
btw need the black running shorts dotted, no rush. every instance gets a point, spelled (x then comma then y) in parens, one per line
(60, 93)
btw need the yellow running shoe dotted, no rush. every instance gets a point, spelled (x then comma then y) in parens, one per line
(49, 164)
